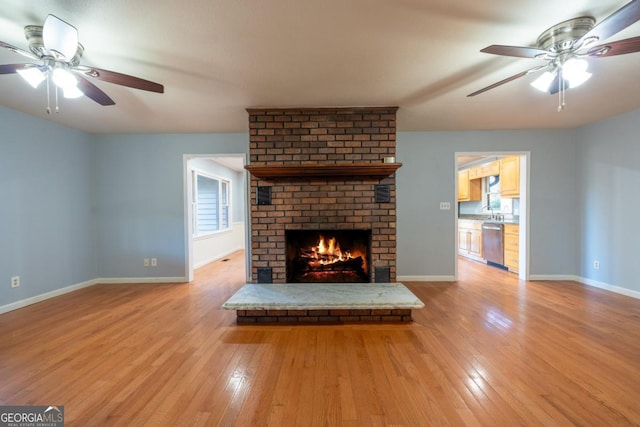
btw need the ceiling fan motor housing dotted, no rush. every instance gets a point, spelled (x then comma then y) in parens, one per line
(562, 37)
(33, 34)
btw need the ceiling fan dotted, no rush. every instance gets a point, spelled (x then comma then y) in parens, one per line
(565, 47)
(56, 49)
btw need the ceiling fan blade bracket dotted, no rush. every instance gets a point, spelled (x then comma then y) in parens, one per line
(620, 47)
(515, 51)
(120, 79)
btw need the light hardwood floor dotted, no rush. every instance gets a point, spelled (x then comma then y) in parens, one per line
(487, 350)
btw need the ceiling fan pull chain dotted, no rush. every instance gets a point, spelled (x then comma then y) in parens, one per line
(57, 108)
(562, 88)
(48, 94)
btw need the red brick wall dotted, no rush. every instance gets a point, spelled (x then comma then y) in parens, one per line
(321, 135)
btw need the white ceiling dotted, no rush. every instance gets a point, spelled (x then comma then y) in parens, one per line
(218, 57)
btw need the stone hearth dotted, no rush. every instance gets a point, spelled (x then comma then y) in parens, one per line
(323, 303)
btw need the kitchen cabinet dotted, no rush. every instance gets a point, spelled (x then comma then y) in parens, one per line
(512, 247)
(468, 189)
(510, 177)
(470, 238)
(489, 169)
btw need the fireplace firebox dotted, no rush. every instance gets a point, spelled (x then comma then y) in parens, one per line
(324, 256)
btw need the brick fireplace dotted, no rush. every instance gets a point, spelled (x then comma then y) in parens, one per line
(322, 169)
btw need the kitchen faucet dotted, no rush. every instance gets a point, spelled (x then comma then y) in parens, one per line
(489, 208)
(493, 215)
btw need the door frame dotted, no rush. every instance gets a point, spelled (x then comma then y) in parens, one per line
(524, 219)
(188, 207)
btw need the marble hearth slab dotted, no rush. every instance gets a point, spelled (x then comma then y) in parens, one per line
(318, 296)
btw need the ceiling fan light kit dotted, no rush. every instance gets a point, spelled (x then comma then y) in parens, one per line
(32, 75)
(574, 72)
(56, 47)
(567, 46)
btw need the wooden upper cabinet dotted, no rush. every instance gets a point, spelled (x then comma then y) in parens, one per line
(468, 189)
(490, 169)
(510, 177)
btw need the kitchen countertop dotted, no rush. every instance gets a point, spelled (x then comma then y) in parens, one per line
(487, 218)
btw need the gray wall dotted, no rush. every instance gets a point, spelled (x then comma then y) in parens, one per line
(140, 199)
(75, 207)
(426, 239)
(609, 200)
(46, 200)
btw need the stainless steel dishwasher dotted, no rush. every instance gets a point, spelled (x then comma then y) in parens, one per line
(492, 244)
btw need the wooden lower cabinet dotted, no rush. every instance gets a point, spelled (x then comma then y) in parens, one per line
(512, 247)
(470, 238)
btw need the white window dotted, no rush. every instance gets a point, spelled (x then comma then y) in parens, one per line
(210, 204)
(494, 201)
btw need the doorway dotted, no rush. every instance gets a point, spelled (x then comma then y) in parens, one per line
(484, 204)
(215, 208)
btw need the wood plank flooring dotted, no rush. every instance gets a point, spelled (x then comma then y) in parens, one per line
(488, 350)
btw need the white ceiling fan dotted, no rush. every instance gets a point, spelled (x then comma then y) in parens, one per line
(56, 49)
(566, 48)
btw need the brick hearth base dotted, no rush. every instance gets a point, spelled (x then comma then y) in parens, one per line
(323, 316)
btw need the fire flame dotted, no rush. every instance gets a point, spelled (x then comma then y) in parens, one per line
(329, 252)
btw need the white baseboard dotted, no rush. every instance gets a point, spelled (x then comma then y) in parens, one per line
(425, 278)
(105, 280)
(554, 277)
(124, 280)
(589, 282)
(613, 288)
(38, 298)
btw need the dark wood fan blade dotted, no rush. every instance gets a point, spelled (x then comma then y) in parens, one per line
(620, 47)
(18, 50)
(517, 51)
(121, 79)
(616, 22)
(508, 79)
(92, 91)
(11, 68)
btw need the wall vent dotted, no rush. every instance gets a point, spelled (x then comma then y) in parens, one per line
(264, 275)
(263, 195)
(383, 274)
(383, 193)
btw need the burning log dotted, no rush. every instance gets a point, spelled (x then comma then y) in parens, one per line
(327, 261)
(351, 264)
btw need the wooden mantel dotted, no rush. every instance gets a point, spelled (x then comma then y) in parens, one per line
(313, 170)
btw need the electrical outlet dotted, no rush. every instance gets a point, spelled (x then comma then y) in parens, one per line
(15, 281)
(445, 206)
(154, 262)
(596, 265)
(146, 262)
